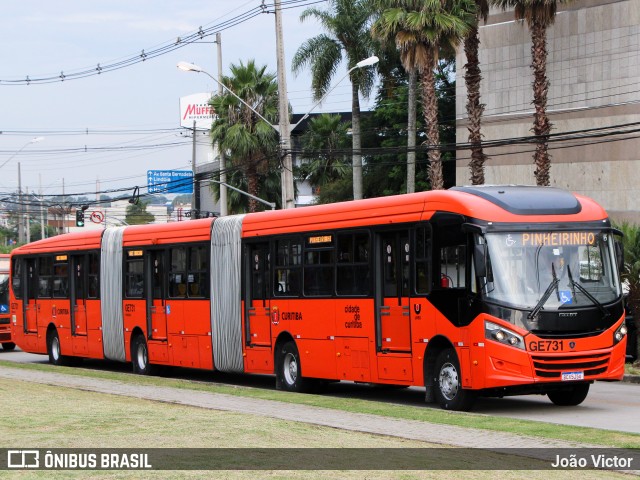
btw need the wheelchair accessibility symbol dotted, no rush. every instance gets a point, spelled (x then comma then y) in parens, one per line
(565, 297)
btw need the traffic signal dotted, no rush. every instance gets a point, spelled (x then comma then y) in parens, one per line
(79, 218)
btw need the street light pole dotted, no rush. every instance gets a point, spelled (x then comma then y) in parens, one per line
(288, 189)
(222, 163)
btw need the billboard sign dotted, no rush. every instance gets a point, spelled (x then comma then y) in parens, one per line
(170, 181)
(196, 107)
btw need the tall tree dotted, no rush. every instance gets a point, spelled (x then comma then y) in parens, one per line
(137, 214)
(347, 37)
(475, 108)
(539, 15)
(249, 142)
(323, 146)
(420, 28)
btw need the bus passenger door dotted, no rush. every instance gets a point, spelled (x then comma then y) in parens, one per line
(393, 315)
(77, 289)
(156, 295)
(257, 295)
(30, 302)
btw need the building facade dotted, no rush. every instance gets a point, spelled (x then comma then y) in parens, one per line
(593, 67)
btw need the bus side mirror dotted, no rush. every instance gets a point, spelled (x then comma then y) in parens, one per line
(480, 259)
(619, 255)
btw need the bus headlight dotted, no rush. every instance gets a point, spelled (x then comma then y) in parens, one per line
(493, 331)
(619, 334)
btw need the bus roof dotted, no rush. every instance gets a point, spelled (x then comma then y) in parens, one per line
(164, 233)
(71, 241)
(508, 204)
(518, 204)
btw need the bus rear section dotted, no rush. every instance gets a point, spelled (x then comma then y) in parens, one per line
(5, 317)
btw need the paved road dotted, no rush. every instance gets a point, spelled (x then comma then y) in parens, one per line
(610, 406)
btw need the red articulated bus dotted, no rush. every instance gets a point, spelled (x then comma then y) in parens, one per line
(488, 291)
(5, 327)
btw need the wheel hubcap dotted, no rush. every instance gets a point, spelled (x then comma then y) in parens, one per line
(142, 357)
(55, 348)
(449, 381)
(290, 368)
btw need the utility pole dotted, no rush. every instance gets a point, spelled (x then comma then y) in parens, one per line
(288, 199)
(195, 198)
(42, 229)
(64, 208)
(20, 209)
(27, 225)
(223, 164)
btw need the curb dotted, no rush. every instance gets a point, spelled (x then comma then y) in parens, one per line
(631, 379)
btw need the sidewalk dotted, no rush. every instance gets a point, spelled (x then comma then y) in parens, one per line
(446, 435)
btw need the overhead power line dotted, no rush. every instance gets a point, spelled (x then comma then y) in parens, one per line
(153, 52)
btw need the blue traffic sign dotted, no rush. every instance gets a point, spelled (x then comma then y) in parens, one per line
(170, 181)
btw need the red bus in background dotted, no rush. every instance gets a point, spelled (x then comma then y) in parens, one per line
(473, 291)
(5, 327)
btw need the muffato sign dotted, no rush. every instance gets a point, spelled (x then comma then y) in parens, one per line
(196, 108)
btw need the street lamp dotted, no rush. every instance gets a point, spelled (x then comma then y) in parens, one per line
(287, 183)
(33, 140)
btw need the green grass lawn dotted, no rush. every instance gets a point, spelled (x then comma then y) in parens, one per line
(487, 422)
(43, 416)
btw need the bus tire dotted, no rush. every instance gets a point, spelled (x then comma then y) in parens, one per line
(53, 348)
(9, 346)
(140, 356)
(289, 369)
(449, 393)
(570, 397)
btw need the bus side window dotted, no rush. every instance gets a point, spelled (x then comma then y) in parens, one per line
(94, 275)
(352, 265)
(178, 273)
(197, 277)
(16, 277)
(318, 268)
(61, 280)
(45, 274)
(423, 265)
(288, 268)
(134, 277)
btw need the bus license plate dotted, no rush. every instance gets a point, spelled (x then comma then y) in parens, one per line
(570, 376)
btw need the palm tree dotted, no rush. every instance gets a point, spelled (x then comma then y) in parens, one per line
(475, 108)
(420, 28)
(323, 145)
(249, 142)
(347, 36)
(539, 15)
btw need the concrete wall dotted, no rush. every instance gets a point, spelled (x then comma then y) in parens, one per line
(594, 70)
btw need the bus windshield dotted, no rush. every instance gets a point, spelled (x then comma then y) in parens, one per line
(574, 269)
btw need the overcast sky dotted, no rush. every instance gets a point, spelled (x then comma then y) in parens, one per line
(41, 38)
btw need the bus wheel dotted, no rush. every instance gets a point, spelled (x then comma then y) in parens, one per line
(289, 373)
(448, 386)
(571, 397)
(140, 356)
(9, 346)
(53, 348)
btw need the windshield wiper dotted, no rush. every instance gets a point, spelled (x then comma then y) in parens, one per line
(547, 293)
(585, 292)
